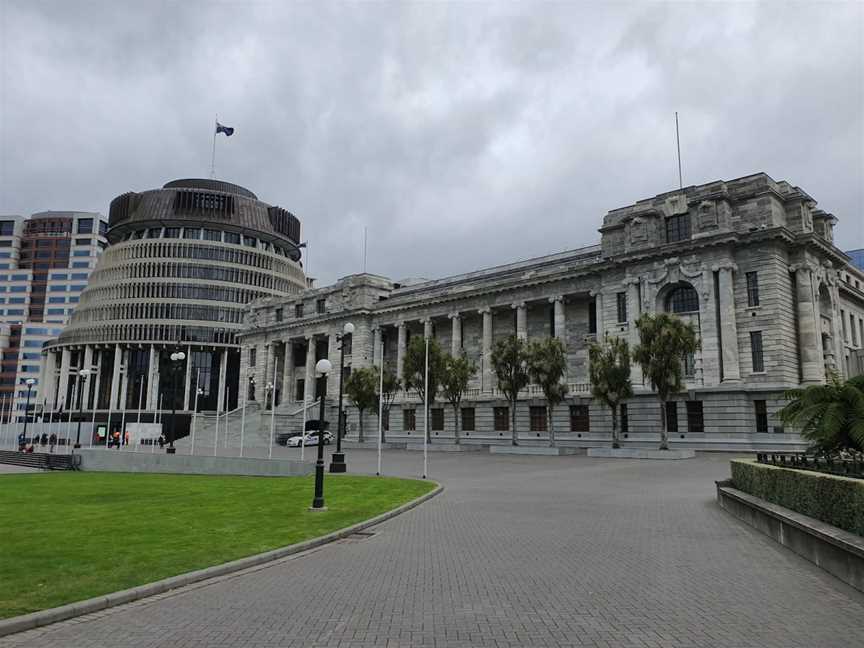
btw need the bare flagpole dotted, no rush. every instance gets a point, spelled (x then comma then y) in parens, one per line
(364, 250)
(213, 155)
(380, 404)
(426, 412)
(678, 142)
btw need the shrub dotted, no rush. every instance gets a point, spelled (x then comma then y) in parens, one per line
(830, 498)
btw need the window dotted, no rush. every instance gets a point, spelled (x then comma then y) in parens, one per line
(409, 420)
(298, 310)
(347, 343)
(77, 253)
(622, 306)
(18, 289)
(80, 264)
(468, 419)
(56, 311)
(592, 316)
(689, 365)
(77, 242)
(437, 418)
(761, 409)
(625, 423)
(682, 299)
(301, 389)
(7, 228)
(191, 233)
(695, 420)
(278, 313)
(15, 311)
(671, 416)
(752, 289)
(232, 237)
(17, 300)
(154, 232)
(212, 235)
(85, 226)
(756, 351)
(172, 232)
(678, 228)
(579, 419)
(501, 416)
(56, 300)
(103, 227)
(250, 241)
(77, 275)
(253, 355)
(538, 418)
(321, 306)
(854, 330)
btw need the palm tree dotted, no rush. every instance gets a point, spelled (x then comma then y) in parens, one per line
(547, 364)
(664, 341)
(830, 416)
(609, 370)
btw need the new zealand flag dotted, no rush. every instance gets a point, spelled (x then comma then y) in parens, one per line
(224, 129)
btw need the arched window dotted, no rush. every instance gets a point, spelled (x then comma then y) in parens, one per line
(682, 299)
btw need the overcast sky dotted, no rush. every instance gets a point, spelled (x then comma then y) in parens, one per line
(461, 135)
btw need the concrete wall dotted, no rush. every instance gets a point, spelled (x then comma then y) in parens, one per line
(139, 462)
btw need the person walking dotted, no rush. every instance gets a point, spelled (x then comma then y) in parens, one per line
(52, 441)
(22, 442)
(43, 441)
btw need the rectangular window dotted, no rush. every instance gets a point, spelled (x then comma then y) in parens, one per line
(843, 322)
(437, 418)
(689, 365)
(580, 420)
(79, 242)
(103, 227)
(85, 226)
(298, 310)
(56, 300)
(695, 420)
(250, 241)
(761, 409)
(7, 228)
(77, 253)
(678, 228)
(212, 235)
(278, 312)
(625, 423)
(501, 416)
(854, 330)
(622, 306)
(538, 418)
(347, 343)
(191, 233)
(756, 351)
(321, 306)
(172, 232)
(752, 289)
(592, 316)
(253, 356)
(154, 232)
(409, 420)
(232, 237)
(80, 264)
(301, 389)
(671, 416)
(468, 419)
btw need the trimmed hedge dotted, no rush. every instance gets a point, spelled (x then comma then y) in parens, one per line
(833, 499)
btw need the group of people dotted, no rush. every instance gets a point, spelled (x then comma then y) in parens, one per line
(45, 439)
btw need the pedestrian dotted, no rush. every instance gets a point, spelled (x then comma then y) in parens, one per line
(52, 441)
(161, 441)
(22, 442)
(44, 440)
(117, 439)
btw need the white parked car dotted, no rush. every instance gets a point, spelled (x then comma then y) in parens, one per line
(309, 440)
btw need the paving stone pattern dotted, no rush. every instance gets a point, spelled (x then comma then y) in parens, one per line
(518, 551)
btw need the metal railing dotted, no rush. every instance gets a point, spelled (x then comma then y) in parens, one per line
(830, 464)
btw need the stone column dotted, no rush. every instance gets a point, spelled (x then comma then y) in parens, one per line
(85, 387)
(521, 320)
(48, 372)
(809, 333)
(427, 328)
(728, 325)
(598, 307)
(333, 352)
(223, 366)
(97, 362)
(152, 386)
(400, 350)
(633, 311)
(124, 378)
(64, 376)
(187, 379)
(288, 372)
(559, 317)
(309, 384)
(486, 358)
(455, 334)
(377, 347)
(115, 377)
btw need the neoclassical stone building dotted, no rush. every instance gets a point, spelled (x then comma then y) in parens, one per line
(183, 262)
(750, 263)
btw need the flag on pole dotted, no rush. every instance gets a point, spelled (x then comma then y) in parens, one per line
(228, 130)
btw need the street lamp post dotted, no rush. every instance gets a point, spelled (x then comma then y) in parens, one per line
(323, 367)
(82, 377)
(29, 382)
(177, 358)
(337, 459)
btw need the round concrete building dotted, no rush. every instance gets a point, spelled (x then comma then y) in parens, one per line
(183, 262)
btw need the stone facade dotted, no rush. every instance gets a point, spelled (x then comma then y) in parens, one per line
(749, 262)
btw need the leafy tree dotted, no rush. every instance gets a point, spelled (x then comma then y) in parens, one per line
(609, 371)
(830, 416)
(390, 386)
(510, 362)
(361, 389)
(664, 341)
(547, 365)
(414, 371)
(458, 372)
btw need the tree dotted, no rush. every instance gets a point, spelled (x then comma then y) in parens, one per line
(609, 371)
(414, 371)
(458, 371)
(830, 416)
(361, 389)
(510, 362)
(547, 365)
(664, 341)
(390, 387)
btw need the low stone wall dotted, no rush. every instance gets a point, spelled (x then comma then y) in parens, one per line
(101, 460)
(838, 552)
(556, 451)
(640, 453)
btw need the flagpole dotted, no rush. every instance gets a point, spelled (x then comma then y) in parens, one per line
(273, 407)
(678, 143)
(380, 406)
(213, 155)
(426, 411)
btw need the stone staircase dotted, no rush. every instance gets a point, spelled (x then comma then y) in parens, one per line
(41, 460)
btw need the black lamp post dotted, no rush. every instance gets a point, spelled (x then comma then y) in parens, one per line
(80, 378)
(337, 459)
(323, 367)
(29, 382)
(177, 358)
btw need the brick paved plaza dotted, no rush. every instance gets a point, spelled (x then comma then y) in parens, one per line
(540, 551)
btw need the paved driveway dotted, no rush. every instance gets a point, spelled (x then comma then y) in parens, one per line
(541, 551)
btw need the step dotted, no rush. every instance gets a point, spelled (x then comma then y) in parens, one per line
(640, 453)
(556, 451)
(446, 447)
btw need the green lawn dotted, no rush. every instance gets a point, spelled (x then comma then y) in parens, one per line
(69, 536)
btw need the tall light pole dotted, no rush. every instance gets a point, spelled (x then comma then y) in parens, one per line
(82, 378)
(29, 382)
(177, 358)
(323, 367)
(337, 459)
